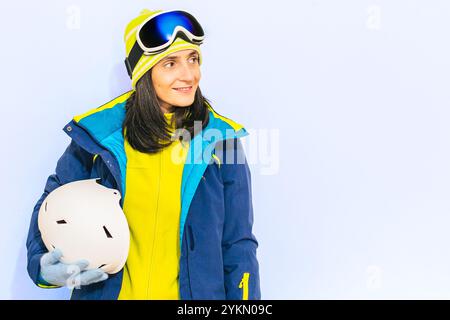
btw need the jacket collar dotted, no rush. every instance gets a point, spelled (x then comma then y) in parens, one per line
(106, 120)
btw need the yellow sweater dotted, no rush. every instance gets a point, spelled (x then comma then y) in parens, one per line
(152, 206)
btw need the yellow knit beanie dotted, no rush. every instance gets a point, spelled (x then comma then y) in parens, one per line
(145, 63)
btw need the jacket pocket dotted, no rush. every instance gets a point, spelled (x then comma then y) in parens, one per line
(244, 285)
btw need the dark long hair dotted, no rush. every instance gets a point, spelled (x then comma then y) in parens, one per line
(146, 127)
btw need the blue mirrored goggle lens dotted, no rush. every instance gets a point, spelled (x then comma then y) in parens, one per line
(157, 31)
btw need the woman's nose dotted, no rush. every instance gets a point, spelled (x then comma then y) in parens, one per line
(187, 72)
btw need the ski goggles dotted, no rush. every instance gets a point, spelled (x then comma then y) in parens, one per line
(159, 31)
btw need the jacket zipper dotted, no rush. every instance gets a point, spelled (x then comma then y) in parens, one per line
(244, 285)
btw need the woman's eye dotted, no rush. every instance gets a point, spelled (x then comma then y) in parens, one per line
(171, 63)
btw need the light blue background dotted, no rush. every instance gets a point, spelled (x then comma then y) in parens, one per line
(358, 91)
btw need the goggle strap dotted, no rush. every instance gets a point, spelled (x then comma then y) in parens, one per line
(133, 58)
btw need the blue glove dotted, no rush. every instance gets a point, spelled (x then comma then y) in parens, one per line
(57, 273)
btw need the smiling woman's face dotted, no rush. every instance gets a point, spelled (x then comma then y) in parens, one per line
(172, 75)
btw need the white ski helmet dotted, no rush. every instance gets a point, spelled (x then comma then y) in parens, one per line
(84, 219)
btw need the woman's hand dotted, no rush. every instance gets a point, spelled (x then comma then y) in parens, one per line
(73, 275)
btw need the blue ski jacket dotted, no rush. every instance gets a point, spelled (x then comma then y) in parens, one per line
(218, 249)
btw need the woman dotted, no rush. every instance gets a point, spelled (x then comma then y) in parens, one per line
(182, 173)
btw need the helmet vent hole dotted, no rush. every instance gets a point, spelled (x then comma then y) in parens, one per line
(46, 206)
(61, 222)
(102, 265)
(107, 232)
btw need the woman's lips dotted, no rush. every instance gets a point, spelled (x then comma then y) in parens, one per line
(183, 89)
